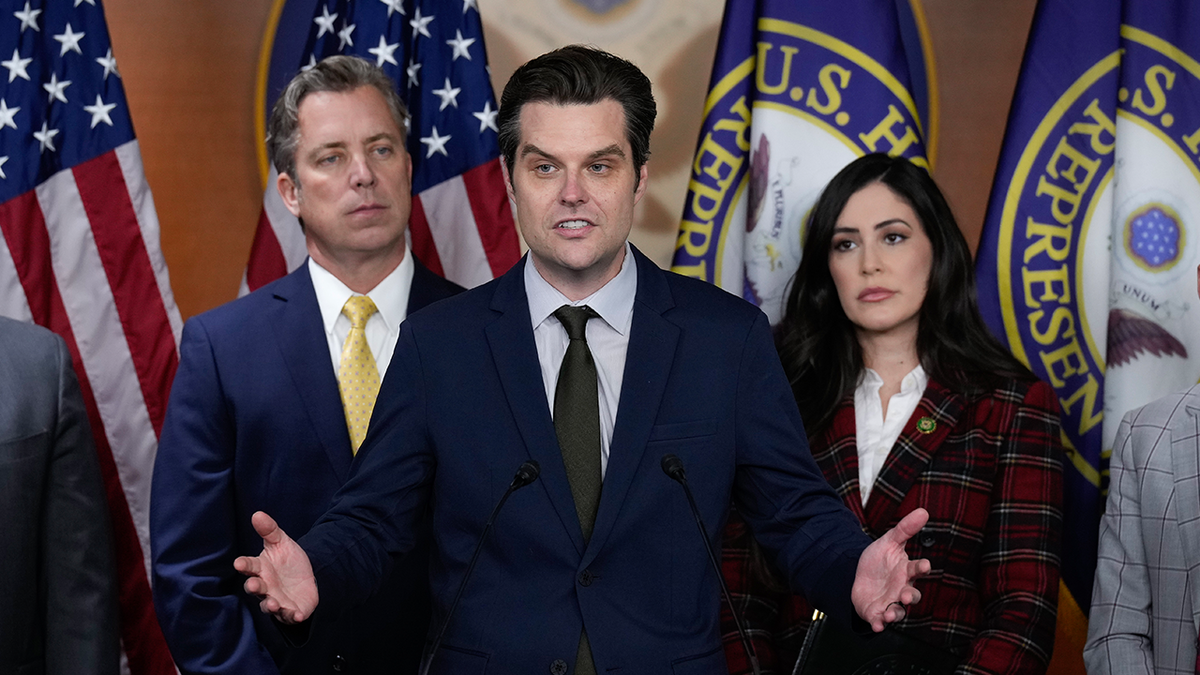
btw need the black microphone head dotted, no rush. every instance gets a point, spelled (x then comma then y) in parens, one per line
(526, 474)
(673, 467)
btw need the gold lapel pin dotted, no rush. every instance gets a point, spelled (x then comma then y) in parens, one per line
(926, 425)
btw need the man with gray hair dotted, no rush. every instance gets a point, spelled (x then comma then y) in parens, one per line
(275, 390)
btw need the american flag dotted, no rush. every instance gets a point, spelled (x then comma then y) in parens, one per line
(79, 254)
(461, 225)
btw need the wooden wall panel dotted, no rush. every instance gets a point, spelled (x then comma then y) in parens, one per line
(189, 67)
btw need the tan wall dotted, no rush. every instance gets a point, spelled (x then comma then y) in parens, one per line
(189, 70)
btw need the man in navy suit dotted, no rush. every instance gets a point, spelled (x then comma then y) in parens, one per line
(597, 566)
(256, 418)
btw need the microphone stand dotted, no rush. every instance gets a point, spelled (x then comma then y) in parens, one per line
(673, 467)
(526, 474)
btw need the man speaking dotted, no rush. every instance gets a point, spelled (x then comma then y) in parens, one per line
(593, 362)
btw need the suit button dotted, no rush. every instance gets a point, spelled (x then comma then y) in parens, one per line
(585, 578)
(927, 540)
(559, 667)
(339, 664)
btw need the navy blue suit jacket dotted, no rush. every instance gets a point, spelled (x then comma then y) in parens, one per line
(255, 422)
(464, 406)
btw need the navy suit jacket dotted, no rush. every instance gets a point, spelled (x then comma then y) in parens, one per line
(255, 422)
(464, 406)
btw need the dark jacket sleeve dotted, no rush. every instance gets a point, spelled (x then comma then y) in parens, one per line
(193, 524)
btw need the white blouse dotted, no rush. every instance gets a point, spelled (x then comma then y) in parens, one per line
(875, 434)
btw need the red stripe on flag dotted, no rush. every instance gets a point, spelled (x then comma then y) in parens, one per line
(28, 241)
(493, 217)
(131, 277)
(422, 239)
(266, 262)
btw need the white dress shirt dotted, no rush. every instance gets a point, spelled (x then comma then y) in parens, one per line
(383, 328)
(875, 434)
(608, 337)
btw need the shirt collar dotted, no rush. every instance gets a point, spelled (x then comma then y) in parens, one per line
(613, 301)
(915, 381)
(390, 295)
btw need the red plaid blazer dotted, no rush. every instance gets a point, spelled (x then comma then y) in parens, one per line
(990, 475)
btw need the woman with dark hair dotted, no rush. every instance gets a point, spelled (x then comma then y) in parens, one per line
(909, 402)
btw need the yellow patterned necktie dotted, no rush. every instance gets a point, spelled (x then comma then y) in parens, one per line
(358, 376)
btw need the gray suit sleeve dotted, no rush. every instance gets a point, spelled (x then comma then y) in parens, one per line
(1120, 639)
(79, 571)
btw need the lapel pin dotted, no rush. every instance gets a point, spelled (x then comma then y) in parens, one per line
(926, 425)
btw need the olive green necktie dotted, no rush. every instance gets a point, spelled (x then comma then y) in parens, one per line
(358, 376)
(577, 425)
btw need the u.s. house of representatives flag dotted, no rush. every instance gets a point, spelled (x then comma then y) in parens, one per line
(461, 225)
(79, 254)
(1087, 263)
(798, 90)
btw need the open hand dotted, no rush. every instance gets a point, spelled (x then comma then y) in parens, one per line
(281, 575)
(883, 583)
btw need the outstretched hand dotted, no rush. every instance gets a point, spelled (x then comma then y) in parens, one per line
(281, 575)
(883, 583)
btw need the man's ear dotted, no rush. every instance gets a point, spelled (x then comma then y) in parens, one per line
(289, 191)
(640, 190)
(508, 185)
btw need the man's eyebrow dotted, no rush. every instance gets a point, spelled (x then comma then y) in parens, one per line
(332, 145)
(613, 150)
(381, 136)
(531, 149)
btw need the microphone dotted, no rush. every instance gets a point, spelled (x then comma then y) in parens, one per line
(673, 467)
(526, 474)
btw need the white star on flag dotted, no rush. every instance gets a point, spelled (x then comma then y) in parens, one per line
(7, 114)
(448, 94)
(436, 143)
(16, 66)
(394, 6)
(312, 63)
(460, 46)
(325, 23)
(28, 17)
(420, 24)
(69, 41)
(487, 118)
(3, 160)
(412, 70)
(56, 89)
(90, 2)
(46, 137)
(109, 64)
(99, 112)
(344, 35)
(384, 52)
(469, 4)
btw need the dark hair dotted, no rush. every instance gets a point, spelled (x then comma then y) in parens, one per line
(579, 74)
(817, 343)
(337, 74)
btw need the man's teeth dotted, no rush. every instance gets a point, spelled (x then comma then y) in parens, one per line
(573, 224)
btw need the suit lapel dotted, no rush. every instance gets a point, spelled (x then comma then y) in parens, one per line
(510, 338)
(838, 457)
(911, 454)
(1185, 464)
(648, 363)
(300, 337)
